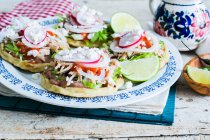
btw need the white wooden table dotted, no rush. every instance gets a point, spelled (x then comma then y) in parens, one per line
(192, 114)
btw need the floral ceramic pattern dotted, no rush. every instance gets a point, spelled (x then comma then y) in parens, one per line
(181, 24)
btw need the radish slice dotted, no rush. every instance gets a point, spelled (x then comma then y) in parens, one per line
(93, 62)
(85, 57)
(130, 39)
(115, 46)
(133, 44)
(73, 20)
(104, 62)
(84, 18)
(84, 29)
(34, 37)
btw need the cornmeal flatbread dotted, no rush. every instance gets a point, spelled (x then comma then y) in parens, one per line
(25, 65)
(81, 92)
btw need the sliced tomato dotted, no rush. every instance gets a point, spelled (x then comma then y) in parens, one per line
(96, 71)
(147, 42)
(23, 47)
(84, 36)
(50, 33)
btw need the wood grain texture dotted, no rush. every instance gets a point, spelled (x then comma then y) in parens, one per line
(192, 114)
(203, 89)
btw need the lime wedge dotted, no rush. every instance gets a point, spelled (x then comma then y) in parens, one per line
(122, 22)
(140, 70)
(199, 75)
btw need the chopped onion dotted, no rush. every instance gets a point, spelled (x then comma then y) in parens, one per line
(101, 77)
(60, 38)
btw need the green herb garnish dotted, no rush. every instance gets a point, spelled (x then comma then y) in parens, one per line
(61, 17)
(103, 36)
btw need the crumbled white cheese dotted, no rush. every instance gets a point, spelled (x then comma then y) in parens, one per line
(20, 23)
(35, 34)
(33, 53)
(44, 51)
(8, 32)
(86, 16)
(90, 36)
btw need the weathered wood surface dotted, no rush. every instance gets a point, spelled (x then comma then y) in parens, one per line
(192, 115)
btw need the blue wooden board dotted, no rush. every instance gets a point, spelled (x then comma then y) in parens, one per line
(28, 105)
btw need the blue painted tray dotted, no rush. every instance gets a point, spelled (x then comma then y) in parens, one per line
(28, 105)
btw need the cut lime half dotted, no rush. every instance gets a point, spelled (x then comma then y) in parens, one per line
(123, 22)
(140, 70)
(199, 75)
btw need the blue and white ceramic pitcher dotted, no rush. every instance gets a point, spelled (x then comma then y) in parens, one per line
(181, 20)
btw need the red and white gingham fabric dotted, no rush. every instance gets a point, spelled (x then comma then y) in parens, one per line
(35, 9)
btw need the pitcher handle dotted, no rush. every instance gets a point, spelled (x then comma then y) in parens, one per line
(153, 6)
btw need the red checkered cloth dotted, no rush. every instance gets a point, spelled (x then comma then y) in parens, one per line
(35, 9)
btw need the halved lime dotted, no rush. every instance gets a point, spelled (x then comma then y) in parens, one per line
(122, 22)
(199, 75)
(140, 70)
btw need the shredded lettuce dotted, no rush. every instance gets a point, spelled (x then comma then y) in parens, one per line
(11, 47)
(90, 84)
(139, 56)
